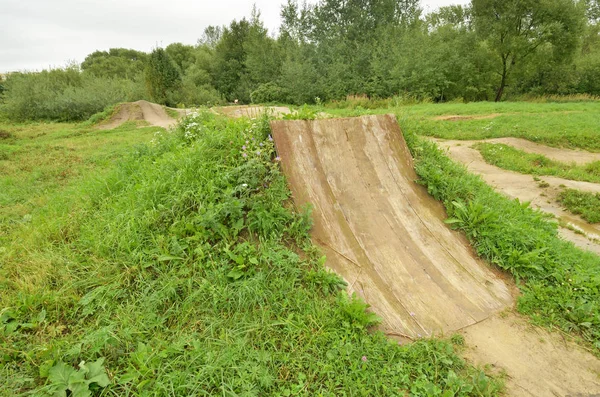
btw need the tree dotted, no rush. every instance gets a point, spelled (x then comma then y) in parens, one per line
(515, 29)
(116, 62)
(162, 77)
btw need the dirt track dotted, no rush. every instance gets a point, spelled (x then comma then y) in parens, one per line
(523, 187)
(144, 111)
(579, 157)
(384, 234)
(251, 111)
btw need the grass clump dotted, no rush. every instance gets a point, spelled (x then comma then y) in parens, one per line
(559, 282)
(509, 158)
(187, 272)
(581, 203)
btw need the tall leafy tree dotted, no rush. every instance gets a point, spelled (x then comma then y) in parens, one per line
(116, 62)
(162, 77)
(515, 29)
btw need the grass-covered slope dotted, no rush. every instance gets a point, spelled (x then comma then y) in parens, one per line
(187, 272)
(560, 283)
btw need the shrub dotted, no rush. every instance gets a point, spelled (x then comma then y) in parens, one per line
(269, 92)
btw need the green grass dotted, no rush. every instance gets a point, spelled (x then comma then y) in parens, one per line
(509, 158)
(186, 271)
(569, 125)
(38, 159)
(581, 203)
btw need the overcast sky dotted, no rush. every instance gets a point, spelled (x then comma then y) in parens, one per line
(37, 34)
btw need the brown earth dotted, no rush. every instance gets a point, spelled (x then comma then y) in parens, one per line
(142, 111)
(252, 111)
(523, 187)
(385, 235)
(536, 362)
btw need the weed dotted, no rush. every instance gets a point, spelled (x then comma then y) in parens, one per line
(581, 203)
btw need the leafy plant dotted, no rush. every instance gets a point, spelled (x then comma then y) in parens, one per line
(64, 380)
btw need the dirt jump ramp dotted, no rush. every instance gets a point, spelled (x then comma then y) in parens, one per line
(380, 230)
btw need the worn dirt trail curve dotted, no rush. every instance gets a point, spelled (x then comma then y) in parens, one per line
(580, 157)
(385, 235)
(523, 187)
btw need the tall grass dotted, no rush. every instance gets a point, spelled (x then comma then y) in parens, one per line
(187, 272)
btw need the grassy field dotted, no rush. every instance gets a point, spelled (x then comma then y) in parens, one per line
(183, 270)
(38, 160)
(174, 264)
(569, 125)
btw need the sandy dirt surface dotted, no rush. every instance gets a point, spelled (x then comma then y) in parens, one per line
(579, 157)
(536, 362)
(252, 111)
(150, 113)
(382, 232)
(524, 188)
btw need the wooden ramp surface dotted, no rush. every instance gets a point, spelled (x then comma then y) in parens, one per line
(380, 230)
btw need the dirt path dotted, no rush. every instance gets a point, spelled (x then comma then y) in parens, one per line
(537, 362)
(252, 111)
(579, 157)
(151, 113)
(524, 188)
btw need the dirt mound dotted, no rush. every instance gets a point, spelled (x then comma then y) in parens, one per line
(382, 232)
(252, 111)
(524, 188)
(150, 113)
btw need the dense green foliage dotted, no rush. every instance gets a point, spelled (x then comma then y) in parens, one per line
(560, 283)
(582, 203)
(509, 158)
(487, 50)
(186, 272)
(64, 94)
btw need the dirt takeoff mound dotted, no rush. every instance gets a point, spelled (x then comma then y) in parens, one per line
(380, 230)
(151, 113)
(252, 112)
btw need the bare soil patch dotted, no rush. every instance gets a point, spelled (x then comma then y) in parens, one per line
(536, 362)
(142, 111)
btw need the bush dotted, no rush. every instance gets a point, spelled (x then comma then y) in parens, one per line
(269, 92)
(63, 95)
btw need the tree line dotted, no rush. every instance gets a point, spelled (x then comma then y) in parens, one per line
(488, 50)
